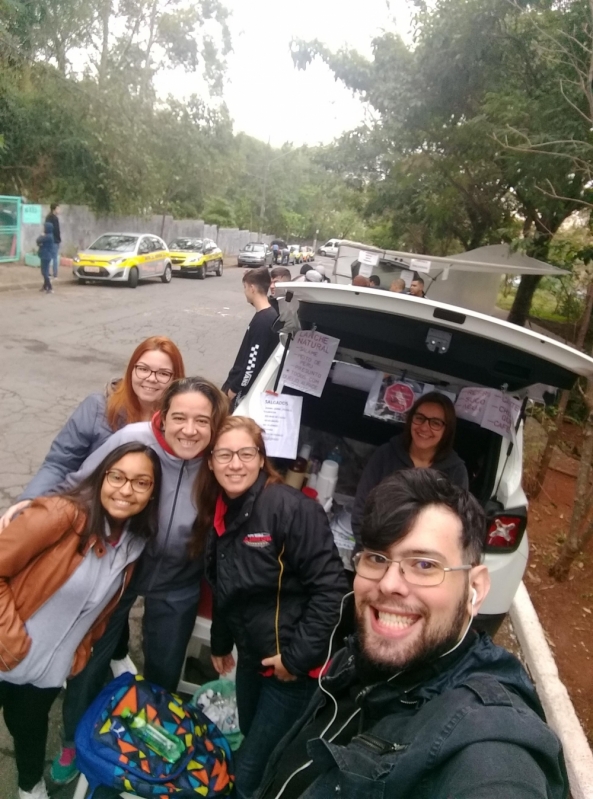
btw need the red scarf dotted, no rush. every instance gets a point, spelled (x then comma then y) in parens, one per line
(219, 514)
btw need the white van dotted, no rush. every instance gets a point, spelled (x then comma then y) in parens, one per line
(450, 348)
(330, 248)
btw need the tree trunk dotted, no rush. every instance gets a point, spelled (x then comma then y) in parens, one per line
(553, 434)
(554, 431)
(523, 299)
(573, 544)
(105, 13)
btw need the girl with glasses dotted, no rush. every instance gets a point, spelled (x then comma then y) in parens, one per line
(64, 564)
(168, 575)
(278, 582)
(154, 364)
(425, 443)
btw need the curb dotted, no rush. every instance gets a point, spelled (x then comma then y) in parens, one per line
(553, 695)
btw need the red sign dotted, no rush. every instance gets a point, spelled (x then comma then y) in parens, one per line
(399, 397)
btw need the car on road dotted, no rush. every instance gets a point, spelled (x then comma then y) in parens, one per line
(394, 347)
(255, 254)
(123, 258)
(307, 254)
(330, 247)
(294, 254)
(195, 257)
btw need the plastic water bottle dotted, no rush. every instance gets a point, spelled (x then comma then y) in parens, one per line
(168, 746)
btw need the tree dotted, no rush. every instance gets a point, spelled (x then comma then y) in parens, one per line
(440, 175)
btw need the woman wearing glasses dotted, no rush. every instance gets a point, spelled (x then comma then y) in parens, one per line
(426, 443)
(64, 563)
(168, 576)
(278, 583)
(134, 398)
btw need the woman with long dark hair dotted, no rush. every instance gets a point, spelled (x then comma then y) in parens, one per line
(64, 563)
(278, 583)
(168, 574)
(425, 443)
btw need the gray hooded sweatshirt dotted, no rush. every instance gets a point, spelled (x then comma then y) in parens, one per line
(165, 563)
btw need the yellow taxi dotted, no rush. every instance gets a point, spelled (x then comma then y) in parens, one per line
(123, 258)
(307, 254)
(194, 256)
(294, 255)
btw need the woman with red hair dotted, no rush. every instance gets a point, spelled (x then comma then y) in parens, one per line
(154, 365)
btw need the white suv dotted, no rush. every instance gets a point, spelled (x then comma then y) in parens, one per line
(330, 248)
(450, 348)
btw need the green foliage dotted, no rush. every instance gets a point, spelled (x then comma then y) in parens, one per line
(102, 138)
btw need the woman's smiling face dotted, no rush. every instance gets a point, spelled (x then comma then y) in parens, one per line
(187, 426)
(237, 476)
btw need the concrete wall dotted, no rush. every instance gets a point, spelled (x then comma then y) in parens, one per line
(79, 227)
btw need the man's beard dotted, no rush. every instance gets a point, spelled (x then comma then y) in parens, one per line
(433, 644)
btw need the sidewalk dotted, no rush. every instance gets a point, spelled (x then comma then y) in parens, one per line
(16, 276)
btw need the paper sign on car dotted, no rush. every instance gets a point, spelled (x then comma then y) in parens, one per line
(309, 360)
(490, 408)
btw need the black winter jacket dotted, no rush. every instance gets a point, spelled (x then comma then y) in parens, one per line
(469, 726)
(390, 458)
(277, 579)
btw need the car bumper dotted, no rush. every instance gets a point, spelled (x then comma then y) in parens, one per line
(180, 269)
(254, 263)
(102, 273)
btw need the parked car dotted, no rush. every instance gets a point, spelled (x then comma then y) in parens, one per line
(195, 257)
(307, 254)
(123, 258)
(330, 248)
(255, 254)
(294, 254)
(428, 342)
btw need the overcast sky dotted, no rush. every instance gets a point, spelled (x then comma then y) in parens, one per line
(310, 107)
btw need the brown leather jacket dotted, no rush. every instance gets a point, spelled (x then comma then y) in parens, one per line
(38, 553)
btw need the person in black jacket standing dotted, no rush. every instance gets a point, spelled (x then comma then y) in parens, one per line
(418, 704)
(52, 218)
(259, 340)
(278, 585)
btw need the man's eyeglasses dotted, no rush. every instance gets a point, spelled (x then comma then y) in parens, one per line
(246, 454)
(139, 484)
(415, 571)
(433, 421)
(162, 375)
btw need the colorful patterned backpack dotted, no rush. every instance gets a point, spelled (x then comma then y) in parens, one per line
(109, 752)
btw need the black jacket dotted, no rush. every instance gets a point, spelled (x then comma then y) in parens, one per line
(390, 458)
(258, 344)
(469, 726)
(277, 579)
(55, 223)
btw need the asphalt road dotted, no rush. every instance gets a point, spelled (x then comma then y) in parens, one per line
(57, 349)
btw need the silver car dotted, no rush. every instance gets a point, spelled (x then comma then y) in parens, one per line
(255, 254)
(123, 258)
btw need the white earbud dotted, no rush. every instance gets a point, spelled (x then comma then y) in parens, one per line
(474, 596)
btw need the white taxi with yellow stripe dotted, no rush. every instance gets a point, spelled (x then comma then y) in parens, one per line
(195, 256)
(123, 258)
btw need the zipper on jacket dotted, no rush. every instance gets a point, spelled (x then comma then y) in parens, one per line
(156, 571)
(277, 619)
(378, 745)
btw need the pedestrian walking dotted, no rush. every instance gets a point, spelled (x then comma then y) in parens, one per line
(278, 583)
(45, 243)
(64, 563)
(52, 217)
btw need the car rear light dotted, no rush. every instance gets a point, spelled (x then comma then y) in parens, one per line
(505, 531)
